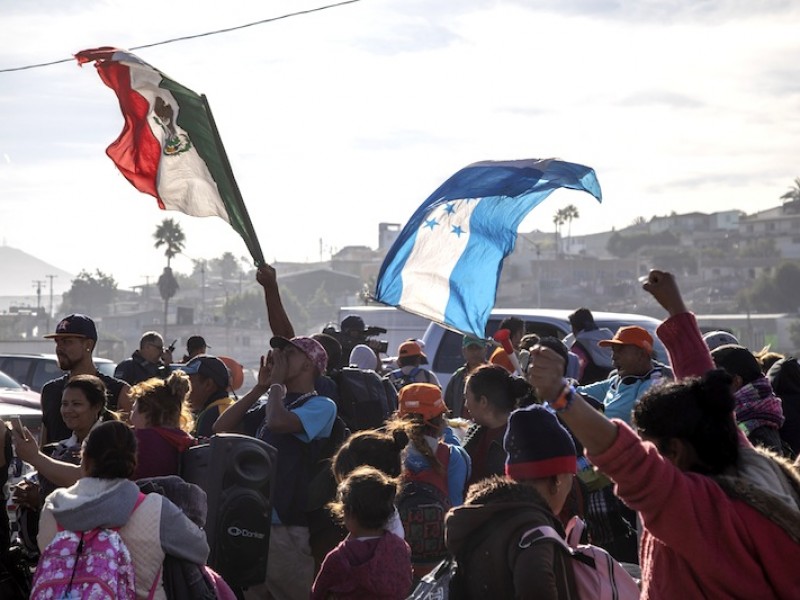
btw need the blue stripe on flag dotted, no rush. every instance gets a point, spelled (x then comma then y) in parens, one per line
(445, 264)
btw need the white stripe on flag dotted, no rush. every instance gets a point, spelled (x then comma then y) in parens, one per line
(439, 244)
(184, 182)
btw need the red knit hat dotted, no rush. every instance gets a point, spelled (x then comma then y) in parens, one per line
(537, 445)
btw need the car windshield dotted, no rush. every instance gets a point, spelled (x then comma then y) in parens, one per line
(7, 383)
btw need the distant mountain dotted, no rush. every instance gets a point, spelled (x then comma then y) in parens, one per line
(19, 272)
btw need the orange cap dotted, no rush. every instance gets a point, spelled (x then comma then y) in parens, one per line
(421, 399)
(631, 336)
(410, 348)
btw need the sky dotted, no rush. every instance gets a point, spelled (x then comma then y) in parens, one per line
(344, 118)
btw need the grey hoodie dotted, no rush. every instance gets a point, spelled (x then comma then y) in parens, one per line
(109, 503)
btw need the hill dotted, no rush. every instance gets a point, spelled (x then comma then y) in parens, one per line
(19, 272)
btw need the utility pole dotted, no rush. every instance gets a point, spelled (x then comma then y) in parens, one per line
(50, 312)
(37, 283)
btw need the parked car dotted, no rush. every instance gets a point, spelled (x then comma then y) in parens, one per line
(34, 370)
(443, 346)
(17, 400)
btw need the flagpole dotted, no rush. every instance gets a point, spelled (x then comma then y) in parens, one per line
(255, 248)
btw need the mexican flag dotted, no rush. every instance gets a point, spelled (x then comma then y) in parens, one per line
(170, 147)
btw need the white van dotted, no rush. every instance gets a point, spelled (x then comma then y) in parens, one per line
(443, 346)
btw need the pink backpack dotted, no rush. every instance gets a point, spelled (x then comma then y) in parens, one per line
(85, 565)
(597, 575)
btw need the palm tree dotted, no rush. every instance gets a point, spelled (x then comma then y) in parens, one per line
(170, 235)
(793, 194)
(570, 212)
(558, 221)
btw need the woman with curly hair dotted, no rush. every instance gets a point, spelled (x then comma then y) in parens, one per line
(162, 420)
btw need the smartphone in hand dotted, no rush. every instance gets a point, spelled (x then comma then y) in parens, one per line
(16, 424)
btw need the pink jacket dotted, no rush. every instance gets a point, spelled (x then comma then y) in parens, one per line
(688, 353)
(365, 569)
(698, 542)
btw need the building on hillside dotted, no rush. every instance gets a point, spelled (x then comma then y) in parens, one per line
(781, 224)
(387, 234)
(553, 283)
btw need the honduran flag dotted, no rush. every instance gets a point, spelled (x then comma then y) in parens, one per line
(446, 263)
(169, 146)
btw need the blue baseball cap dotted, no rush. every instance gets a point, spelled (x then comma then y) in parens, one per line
(75, 325)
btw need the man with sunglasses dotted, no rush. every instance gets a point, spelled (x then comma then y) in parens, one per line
(150, 360)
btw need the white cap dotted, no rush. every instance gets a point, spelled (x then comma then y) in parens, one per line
(715, 339)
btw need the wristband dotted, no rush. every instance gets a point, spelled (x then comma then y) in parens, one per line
(564, 399)
(279, 386)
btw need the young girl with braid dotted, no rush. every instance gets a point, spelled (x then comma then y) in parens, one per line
(434, 473)
(421, 415)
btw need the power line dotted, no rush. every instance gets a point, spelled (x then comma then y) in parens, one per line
(197, 35)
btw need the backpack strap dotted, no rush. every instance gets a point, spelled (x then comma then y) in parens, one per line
(223, 403)
(543, 532)
(154, 586)
(430, 475)
(139, 499)
(575, 529)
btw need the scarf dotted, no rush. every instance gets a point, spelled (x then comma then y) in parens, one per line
(758, 406)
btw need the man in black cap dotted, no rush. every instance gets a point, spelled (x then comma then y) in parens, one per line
(353, 331)
(195, 346)
(75, 338)
(209, 396)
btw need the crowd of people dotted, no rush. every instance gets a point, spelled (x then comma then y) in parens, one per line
(686, 475)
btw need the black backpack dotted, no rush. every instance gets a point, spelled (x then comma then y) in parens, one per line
(365, 399)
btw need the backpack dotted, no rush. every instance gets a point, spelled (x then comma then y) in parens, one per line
(364, 401)
(399, 379)
(422, 504)
(86, 565)
(182, 579)
(447, 581)
(597, 575)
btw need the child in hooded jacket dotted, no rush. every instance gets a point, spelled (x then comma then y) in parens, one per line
(371, 563)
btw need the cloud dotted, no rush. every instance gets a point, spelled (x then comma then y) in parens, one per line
(665, 11)
(409, 37)
(661, 98)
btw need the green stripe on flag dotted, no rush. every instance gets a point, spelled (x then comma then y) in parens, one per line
(196, 119)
